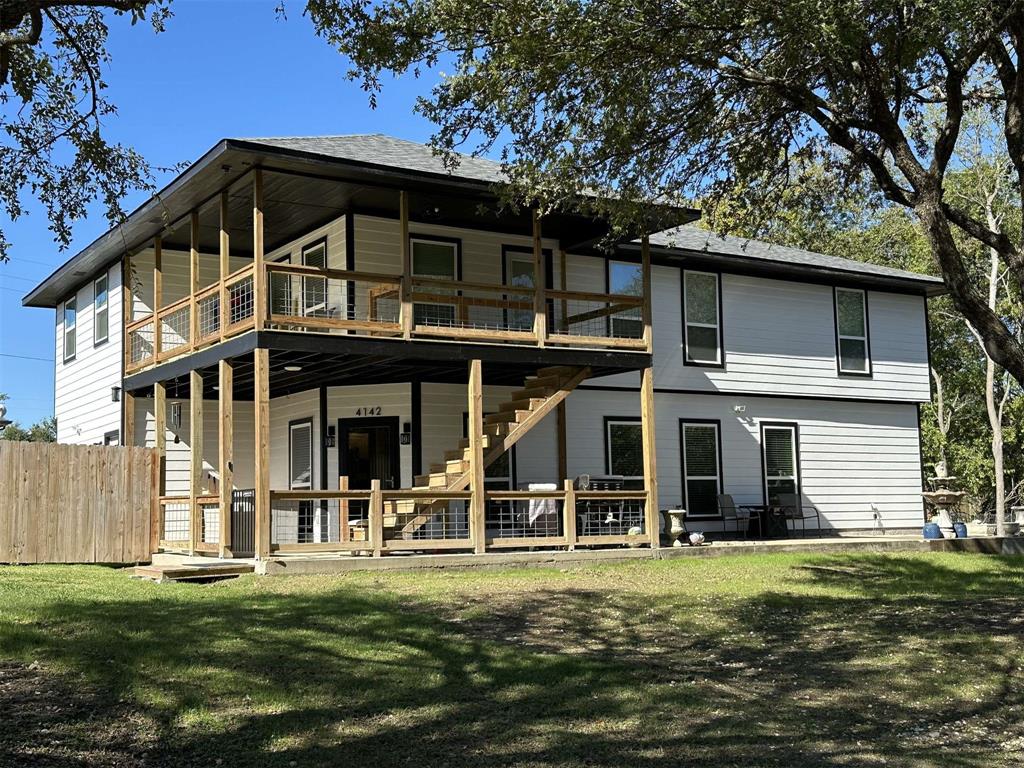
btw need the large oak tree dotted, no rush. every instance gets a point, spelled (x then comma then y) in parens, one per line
(708, 99)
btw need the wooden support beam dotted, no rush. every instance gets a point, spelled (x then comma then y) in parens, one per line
(225, 261)
(649, 454)
(193, 271)
(475, 427)
(160, 433)
(261, 407)
(376, 518)
(569, 516)
(563, 285)
(127, 305)
(158, 293)
(645, 273)
(540, 304)
(406, 310)
(563, 455)
(259, 275)
(225, 450)
(343, 507)
(195, 402)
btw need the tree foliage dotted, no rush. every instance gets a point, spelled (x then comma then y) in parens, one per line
(43, 431)
(53, 102)
(651, 100)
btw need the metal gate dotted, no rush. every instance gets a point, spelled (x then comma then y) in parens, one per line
(243, 522)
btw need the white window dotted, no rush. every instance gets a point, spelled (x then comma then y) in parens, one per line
(624, 442)
(626, 279)
(519, 274)
(702, 332)
(702, 480)
(70, 327)
(437, 260)
(852, 350)
(300, 475)
(314, 289)
(781, 465)
(101, 312)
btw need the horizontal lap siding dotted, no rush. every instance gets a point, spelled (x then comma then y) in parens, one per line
(852, 455)
(82, 387)
(176, 274)
(343, 402)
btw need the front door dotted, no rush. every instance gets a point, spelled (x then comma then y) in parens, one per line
(368, 450)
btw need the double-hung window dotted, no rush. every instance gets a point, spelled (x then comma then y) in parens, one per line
(625, 279)
(702, 471)
(624, 445)
(314, 289)
(300, 472)
(519, 273)
(437, 260)
(101, 310)
(702, 326)
(779, 446)
(852, 347)
(70, 328)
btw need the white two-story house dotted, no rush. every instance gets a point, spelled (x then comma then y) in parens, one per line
(337, 345)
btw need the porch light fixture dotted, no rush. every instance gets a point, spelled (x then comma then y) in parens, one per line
(329, 439)
(115, 394)
(293, 368)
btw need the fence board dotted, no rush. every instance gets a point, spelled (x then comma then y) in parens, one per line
(75, 503)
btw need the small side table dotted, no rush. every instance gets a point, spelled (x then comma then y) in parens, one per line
(675, 524)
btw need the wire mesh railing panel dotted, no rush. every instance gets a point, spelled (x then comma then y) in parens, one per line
(524, 518)
(240, 300)
(208, 312)
(480, 308)
(140, 343)
(610, 516)
(176, 520)
(209, 513)
(426, 519)
(619, 317)
(175, 328)
(332, 298)
(315, 520)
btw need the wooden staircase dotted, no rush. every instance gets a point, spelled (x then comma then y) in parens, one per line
(527, 407)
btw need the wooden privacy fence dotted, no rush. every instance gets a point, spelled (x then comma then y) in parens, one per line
(75, 503)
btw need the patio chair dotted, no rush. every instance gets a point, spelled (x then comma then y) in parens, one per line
(794, 509)
(729, 511)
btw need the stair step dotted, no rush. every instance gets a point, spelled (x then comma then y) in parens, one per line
(458, 453)
(553, 382)
(451, 466)
(530, 392)
(506, 417)
(521, 405)
(436, 480)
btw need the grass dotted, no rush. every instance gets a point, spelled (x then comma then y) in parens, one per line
(774, 660)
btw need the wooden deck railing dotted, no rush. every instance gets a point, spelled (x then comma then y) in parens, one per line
(306, 298)
(378, 521)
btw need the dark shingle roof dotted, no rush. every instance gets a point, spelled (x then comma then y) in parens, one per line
(378, 149)
(692, 238)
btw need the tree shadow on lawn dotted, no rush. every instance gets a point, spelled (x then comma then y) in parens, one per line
(550, 677)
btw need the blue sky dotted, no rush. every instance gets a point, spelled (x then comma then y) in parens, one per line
(222, 68)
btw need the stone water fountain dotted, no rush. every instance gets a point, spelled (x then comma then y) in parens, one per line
(943, 497)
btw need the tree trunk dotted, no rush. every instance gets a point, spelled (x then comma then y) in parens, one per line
(995, 413)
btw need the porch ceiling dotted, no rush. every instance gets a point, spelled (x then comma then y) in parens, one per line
(337, 360)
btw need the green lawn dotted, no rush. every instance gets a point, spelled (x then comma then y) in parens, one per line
(778, 660)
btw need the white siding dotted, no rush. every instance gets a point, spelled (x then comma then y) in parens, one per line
(780, 339)
(393, 399)
(82, 399)
(852, 455)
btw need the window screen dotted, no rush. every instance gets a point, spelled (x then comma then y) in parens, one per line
(702, 332)
(701, 472)
(852, 331)
(780, 463)
(625, 448)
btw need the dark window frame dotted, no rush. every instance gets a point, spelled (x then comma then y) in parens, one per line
(64, 328)
(303, 250)
(717, 423)
(795, 426)
(307, 421)
(721, 319)
(456, 241)
(608, 421)
(867, 332)
(608, 289)
(95, 310)
(547, 255)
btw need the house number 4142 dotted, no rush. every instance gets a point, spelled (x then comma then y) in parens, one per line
(368, 410)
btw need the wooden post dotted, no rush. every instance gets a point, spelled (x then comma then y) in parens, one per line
(475, 427)
(376, 518)
(225, 446)
(406, 289)
(127, 315)
(160, 434)
(155, 518)
(127, 418)
(195, 401)
(540, 316)
(645, 273)
(563, 457)
(563, 281)
(259, 276)
(193, 271)
(158, 294)
(569, 515)
(343, 529)
(225, 263)
(261, 407)
(650, 458)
